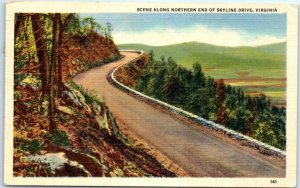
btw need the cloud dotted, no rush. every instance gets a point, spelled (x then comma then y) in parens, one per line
(222, 37)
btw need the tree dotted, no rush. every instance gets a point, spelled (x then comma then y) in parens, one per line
(109, 30)
(41, 47)
(198, 76)
(220, 92)
(185, 76)
(54, 59)
(239, 119)
(171, 87)
(198, 103)
(221, 116)
(74, 26)
(20, 23)
(151, 56)
(62, 27)
(88, 23)
(155, 83)
(191, 90)
(265, 133)
(50, 71)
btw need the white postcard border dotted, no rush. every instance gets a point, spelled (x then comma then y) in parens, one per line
(84, 7)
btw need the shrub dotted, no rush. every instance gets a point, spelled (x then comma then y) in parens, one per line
(60, 138)
(32, 146)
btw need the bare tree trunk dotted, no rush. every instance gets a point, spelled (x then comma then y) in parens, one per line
(59, 65)
(54, 55)
(62, 26)
(39, 36)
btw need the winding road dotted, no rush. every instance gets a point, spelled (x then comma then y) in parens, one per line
(199, 153)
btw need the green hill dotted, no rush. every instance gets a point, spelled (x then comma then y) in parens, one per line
(223, 62)
(276, 49)
(256, 69)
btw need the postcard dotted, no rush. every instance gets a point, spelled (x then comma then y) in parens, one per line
(151, 94)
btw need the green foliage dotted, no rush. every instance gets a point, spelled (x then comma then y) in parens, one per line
(191, 90)
(171, 87)
(19, 77)
(32, 146)
(74, 26)
(83, 26)
(265, 133)
(108, 29)
(24, 51)
(60, 138)
(196, 101)
(17, 95)
(30, 80)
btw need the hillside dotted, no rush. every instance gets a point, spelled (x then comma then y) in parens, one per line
(80, 53)
(237, 58)
(255, 69)
(277, 49)
(63, 130)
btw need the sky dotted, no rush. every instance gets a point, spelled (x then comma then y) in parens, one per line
(218, 29)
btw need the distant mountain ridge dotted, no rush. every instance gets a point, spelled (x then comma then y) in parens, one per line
(277, 48)
(274, 49)
(211, 57)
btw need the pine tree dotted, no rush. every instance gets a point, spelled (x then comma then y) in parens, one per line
(221, 116)
(171, 87)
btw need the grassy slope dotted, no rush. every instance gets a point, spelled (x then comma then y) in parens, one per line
(222, 62)
(278, 48)
(239, 64)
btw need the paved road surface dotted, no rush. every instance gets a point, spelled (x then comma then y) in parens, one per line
(198, 153)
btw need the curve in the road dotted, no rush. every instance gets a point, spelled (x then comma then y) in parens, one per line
(199, 153)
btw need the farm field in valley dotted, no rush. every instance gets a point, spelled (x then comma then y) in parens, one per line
(254, 69)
